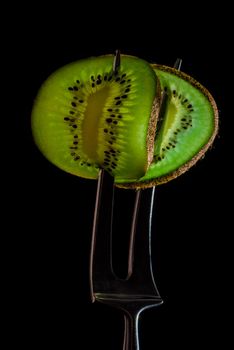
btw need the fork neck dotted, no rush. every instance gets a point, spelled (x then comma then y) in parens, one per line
(131, 334)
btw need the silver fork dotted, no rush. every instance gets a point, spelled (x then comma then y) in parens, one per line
(138, 291)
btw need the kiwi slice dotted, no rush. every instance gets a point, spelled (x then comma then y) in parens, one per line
(186, 131)
(90, 115)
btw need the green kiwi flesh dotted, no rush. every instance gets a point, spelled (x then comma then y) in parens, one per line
(188, 128)
(87, 116)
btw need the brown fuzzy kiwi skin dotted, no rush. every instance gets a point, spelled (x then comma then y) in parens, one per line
(152, 123)
(200, 154)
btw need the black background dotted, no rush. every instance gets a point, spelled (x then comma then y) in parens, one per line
(51, 212)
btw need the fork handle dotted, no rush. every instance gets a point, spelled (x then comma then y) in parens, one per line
(131, 334)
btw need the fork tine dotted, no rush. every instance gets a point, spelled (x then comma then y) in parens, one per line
(101, 236)
(178, 63)
(140, 244)
(116, 61)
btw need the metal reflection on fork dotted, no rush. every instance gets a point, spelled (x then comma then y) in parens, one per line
(138, 291)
